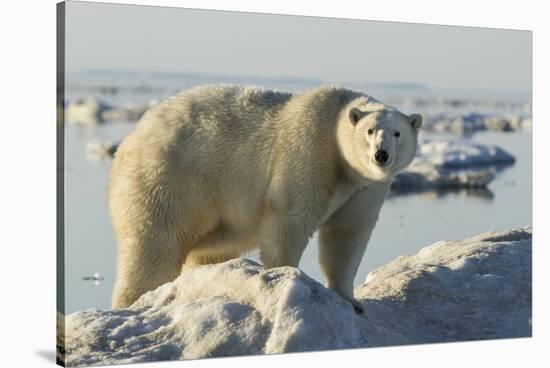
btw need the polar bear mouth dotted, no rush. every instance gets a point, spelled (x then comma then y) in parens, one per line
(383, 165)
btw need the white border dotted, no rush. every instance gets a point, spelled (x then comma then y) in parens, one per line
(27, 190)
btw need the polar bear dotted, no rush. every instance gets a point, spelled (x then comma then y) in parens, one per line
(220, 170)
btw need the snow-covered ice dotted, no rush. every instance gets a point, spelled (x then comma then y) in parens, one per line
(460, 153)
(90, 111)
(479, 288)
(97, 150)
(233, 308)
(87, 111)
(452, 163)
(127, 113)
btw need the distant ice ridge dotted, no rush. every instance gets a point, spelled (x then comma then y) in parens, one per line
(454, 163)
(478, 288)
(469, 123)
(119, 82)
(460, 116)
(441, 101)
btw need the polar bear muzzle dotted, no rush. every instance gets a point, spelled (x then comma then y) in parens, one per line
(382, 157)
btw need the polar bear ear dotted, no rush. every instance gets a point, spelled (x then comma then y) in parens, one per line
(355, 115)
(416, 121)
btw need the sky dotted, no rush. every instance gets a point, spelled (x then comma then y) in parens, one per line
(162, 39)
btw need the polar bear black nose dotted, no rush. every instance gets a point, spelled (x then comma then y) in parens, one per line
(381, 157)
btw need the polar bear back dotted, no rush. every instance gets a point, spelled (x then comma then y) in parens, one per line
(250, 127)
(229, 110)
(210, 138)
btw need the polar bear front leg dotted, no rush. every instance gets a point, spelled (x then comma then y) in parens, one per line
(340, 252)
(344, 237)
(282, 241)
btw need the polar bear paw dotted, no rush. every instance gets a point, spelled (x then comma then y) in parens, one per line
(357, 306)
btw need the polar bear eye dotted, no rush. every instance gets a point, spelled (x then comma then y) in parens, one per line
(370, 131)
(396, 134)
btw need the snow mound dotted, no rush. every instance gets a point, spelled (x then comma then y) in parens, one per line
(479, 288)
(234, 308)
(452, 164)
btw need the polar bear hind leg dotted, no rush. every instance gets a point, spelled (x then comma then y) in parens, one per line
(139, 272)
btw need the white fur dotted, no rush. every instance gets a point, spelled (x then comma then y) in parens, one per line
(219, 170)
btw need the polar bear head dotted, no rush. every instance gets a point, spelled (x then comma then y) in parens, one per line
(377, 141)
